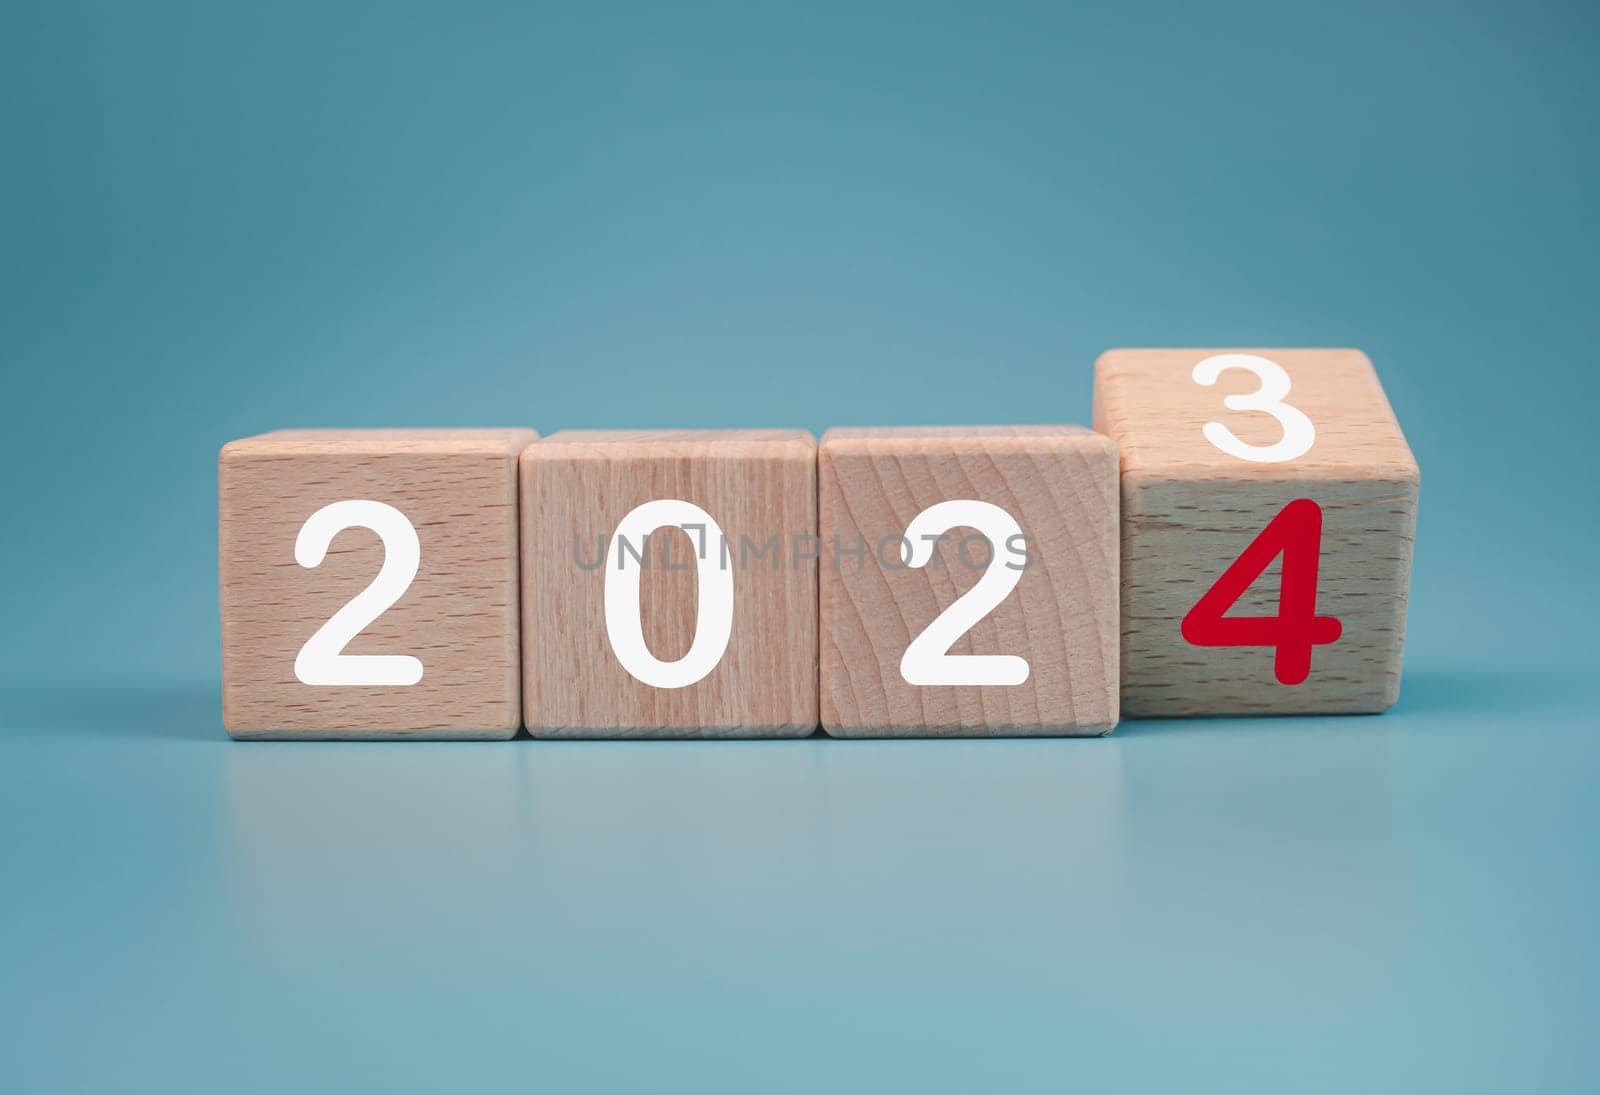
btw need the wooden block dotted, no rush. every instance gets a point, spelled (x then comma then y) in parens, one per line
(430, 656)
(682, 632)
(1041, 658)
(1215, 446)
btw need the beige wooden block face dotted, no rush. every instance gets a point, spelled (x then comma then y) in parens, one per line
(1059, 485)
(759, 486)
(1189, 509)
(457, 616)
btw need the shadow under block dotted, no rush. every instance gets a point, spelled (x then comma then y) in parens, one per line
(1059, 485)
(1189, 509)
(759, 487)
(456, 489)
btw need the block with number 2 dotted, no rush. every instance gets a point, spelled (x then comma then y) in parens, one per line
(369, 584)
(1269, 502)
(969, 585)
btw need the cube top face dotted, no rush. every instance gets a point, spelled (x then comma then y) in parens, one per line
(369, 583)
(1249, 414)
(669, 584)
(900, 656)
(945, 440)
(1268, 513)
(669, 444)
(381, 442)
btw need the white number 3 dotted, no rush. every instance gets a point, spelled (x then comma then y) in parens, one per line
(322, 660)
(1298, 432)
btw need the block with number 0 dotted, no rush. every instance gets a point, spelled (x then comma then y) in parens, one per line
(669, 584)
(1269, 503)
(369, 584)
(969, 581)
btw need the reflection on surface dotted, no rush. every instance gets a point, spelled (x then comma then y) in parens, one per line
(737, 915)
(756, 837)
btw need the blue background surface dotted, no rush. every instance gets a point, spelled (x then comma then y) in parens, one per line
(218, 219)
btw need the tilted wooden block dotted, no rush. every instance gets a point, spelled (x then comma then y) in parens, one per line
(1268, 506)
(969, 581)
(369, 584)
(669, 584)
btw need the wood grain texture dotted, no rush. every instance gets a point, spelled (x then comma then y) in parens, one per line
(1189, 510)
(459, 615)
(758, 485)
(1060, 484)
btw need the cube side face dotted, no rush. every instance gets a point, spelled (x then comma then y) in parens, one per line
(1190, 510)
(1178, 538)
(1061, 616)
(457, 616)
(761, 493)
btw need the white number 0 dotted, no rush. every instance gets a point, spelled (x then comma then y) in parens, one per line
(1298, 432)
(322, 660)
(927, 660)
(625, 630)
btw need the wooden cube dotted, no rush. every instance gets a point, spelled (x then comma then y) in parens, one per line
(1269, 501)
(669, 584)
(369, 584)
(969, 581)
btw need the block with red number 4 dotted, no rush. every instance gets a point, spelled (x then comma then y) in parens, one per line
(1269, 501)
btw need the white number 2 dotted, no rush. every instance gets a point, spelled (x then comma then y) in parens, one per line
(927, 660)
(1298, 432)
(322, 660)
(625, 630)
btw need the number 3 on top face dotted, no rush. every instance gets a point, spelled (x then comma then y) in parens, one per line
(1268, 510)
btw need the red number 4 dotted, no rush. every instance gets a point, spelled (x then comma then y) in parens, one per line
(1296, 533)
